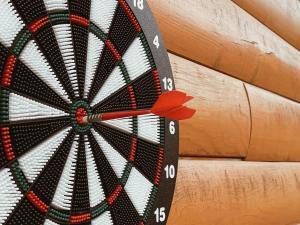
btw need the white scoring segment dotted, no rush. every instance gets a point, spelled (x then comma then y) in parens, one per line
(34, 59)
(125, 124)
(21, 108)
(104, 219)
(10, 23)
(117, 162)
(56, 4)
(113, 83)
(102, 13)
(95, 47)
(9, 194)
(136, 63)
(96, 193)
(139, 190)
(33, 162)
(63, 35)
(149, 127)
(136, 60)
(49, 222)
(64, 192)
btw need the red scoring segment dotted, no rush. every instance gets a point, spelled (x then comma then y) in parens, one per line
(8, 70)
(38, 203)
(79, 20)
(80, 218)
(130, 15)
(113, 50)
(133, 149)
(159, 166)
(132, 97)
(34, 27)
(6, 141)
(38, 24)
(113, 197)
(156, 81)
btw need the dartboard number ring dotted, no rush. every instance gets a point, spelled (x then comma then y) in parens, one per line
(61, 60)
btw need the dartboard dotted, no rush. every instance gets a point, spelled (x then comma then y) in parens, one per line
(60, 59)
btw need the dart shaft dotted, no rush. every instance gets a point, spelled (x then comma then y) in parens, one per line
(95, 118)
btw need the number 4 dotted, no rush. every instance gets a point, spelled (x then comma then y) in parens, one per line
(156, 41)
(160, 214)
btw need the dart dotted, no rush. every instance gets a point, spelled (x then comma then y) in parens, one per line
(169, 105)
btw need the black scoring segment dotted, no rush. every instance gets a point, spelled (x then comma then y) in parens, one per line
(106, 172)
(122, 143)
(25, 214)
(80, 8)
(124, 212)
(3, 57)
(144, 95)
(80, 41)
(80, 200)
(45, 185)
(44, 188)
(45, 38)
(30, 10)
(106, 65)
(35, 15)
(118, 102)
(26, 135)
(146, 158)
(146, 154)
(27, 83)
(145, 92)
(122, 31)
(80, 38)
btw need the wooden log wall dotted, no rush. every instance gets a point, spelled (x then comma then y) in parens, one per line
(240, 59)
(221, 35)
(282, 17)
(236, 193)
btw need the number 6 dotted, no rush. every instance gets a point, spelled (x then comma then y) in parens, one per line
(172, 128)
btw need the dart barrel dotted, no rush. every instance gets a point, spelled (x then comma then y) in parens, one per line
(243, 71)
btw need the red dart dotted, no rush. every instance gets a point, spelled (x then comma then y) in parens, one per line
(168, 105)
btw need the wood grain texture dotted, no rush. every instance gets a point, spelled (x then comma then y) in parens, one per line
(221, 126)
(236, 193)
(281, 16)
(275, 127)
(221, 35)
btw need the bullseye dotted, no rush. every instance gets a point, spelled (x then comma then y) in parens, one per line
(79, 110)
(80, 113)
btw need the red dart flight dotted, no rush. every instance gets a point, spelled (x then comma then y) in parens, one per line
(169, 105)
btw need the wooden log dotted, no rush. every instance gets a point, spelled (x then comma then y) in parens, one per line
(221, 126)
(235, 193)
(275, 127)
(221, 35)
(281, 16)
